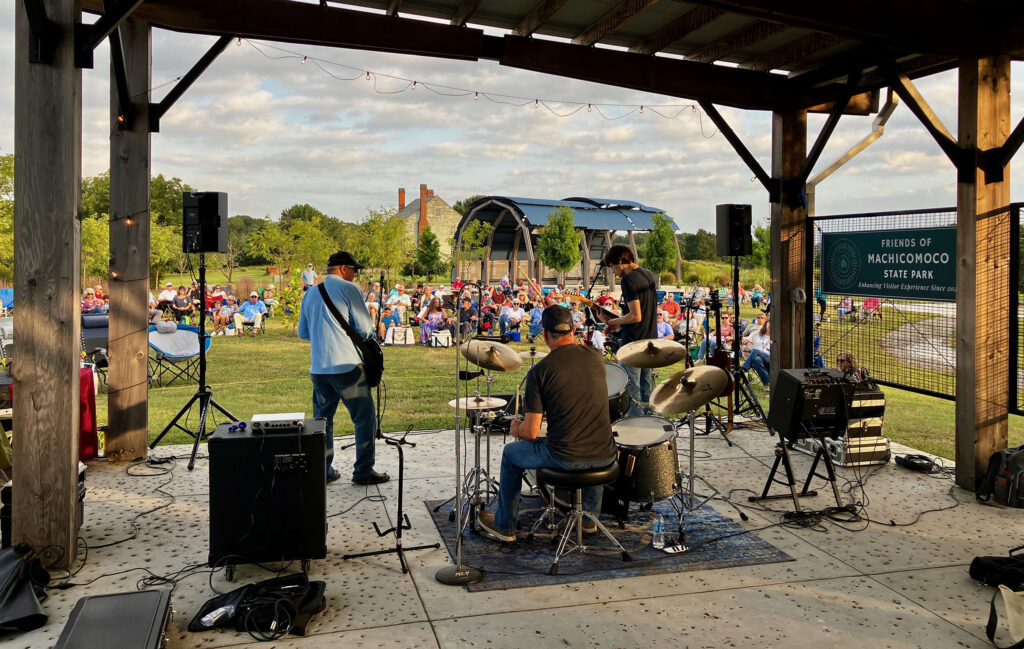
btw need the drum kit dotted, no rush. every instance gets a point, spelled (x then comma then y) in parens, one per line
(647, 450)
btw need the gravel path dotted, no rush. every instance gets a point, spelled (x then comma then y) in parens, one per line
(924, 344)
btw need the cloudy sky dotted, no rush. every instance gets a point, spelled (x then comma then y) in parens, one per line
(272, 131)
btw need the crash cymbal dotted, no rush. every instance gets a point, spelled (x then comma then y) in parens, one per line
(651, 353)
(533, 354)
(688, 390)
(479, 402)
(491, 355)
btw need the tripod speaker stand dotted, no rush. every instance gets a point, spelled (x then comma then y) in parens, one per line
(204, 394)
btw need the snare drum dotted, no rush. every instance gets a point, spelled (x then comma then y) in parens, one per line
(618, 390)
(648, 464)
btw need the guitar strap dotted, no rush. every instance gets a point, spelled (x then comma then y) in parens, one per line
(356, 340)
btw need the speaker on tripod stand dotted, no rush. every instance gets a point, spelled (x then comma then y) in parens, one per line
(734, 240)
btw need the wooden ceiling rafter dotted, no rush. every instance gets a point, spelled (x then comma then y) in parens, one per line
(799, 50)
(735, 41)
(540, 14)
(679, 28)
(465, 12)
(616, 17)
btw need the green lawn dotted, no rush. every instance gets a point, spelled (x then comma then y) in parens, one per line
(269, 373)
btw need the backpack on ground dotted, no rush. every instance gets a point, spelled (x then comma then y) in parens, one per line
(1004, 480)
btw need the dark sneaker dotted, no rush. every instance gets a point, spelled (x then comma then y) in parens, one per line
(331, 477)
(372, 478)
(489, 529)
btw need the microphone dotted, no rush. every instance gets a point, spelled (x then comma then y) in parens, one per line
(382, 281)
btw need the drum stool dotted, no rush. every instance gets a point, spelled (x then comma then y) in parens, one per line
(576, 481)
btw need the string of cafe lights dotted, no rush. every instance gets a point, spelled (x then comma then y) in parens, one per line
(403, 84)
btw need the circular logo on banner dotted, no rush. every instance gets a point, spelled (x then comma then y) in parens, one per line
(843, 264)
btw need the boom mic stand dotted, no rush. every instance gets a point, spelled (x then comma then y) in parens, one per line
(745, 399)
(204, 394)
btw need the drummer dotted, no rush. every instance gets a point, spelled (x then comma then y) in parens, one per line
(568, 387)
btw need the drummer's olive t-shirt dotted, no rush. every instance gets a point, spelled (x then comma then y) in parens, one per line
(568, 386)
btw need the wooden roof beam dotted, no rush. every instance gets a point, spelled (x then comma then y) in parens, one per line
(618, 16)
(798, 50)
(679, 28)
(542, 13)
(734, 42)
(393, 6)
(465, 12)
(919, 25)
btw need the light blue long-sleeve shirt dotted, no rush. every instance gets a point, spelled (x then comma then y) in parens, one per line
(331, 350)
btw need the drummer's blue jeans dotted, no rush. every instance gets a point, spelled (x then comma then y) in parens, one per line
(641, 385)
(523, 454)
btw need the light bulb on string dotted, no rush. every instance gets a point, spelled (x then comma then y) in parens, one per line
(536, 103)
(641, 109)
(414, 85)
(588, 108)
(367, 75)
(303, 59)
(129, 221)
(476, 96)
(238, 43)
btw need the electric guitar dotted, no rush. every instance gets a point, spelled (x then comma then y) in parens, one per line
(576, 295)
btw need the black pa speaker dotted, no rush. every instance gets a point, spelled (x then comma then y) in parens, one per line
(268, 499)
(733, 230)
(810, 402)
(204, 222)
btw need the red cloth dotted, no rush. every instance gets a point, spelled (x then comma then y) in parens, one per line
(88, 440)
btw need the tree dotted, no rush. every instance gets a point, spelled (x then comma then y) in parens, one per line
(269, 242)
(761, 252)
(95, 248)
(164, 250)
(308, 244)
(380, 241)
(7, 216)
(165, 205)
(304, 212)
(558, 242)
(659, 249)
(701, 245)
(428, 253)
(461, 205)
(473, 246)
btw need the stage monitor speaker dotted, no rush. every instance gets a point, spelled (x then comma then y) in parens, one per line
(810, 403)
(733, 234)
(268, 495)
(204, 222)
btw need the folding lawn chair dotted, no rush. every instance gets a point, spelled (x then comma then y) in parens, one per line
(174, 352)
(95, 332)
(6, 301)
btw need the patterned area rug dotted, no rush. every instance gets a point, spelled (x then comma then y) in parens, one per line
(713, 541)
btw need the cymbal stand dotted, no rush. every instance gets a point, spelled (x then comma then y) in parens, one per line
(689, 502)
(458, 574)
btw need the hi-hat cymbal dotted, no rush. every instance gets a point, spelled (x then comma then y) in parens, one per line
(478, 402)
(491, 355)
(688, 390)
(532, 354)
(651, 353)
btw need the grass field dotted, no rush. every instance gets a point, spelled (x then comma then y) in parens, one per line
(269, 373)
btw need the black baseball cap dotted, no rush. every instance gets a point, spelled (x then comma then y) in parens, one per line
(557, 320)
(342, 258)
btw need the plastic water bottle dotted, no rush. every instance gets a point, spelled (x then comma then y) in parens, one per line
(658, 530)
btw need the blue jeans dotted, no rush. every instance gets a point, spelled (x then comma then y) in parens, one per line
(523, 454)
(759, 361)
(641, 384)
(353, 389)
(507, 324)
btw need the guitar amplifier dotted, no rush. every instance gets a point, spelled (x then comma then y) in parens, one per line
(863, 444)
(268, 495)
(134, 620)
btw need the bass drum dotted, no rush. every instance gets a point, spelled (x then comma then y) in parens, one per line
(619, 400)
(648, 463)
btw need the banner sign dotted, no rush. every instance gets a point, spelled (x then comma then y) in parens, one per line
(917, 264)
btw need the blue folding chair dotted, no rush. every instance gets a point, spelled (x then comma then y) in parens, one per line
(175, 353)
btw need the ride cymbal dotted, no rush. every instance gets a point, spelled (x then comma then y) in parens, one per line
(477, 403)
(688, 390)
(491, 355)
(533, 354)
(651, 353)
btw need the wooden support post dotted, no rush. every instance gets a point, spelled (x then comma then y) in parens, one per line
(632, 246)
(609, 276)
(679, 261)
(127, 400)
(585, 259)
(982, 286)
(47, 252)
(788, 232)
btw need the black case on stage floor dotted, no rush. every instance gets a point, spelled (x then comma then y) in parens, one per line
(134, 620)
(267, 495)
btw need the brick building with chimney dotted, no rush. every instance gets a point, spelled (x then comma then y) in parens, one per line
(430, 210)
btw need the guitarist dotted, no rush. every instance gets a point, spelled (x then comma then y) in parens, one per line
(638, 320)
(336, 368)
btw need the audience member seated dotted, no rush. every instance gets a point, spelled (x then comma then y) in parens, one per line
(872, 307)
(579, 318)
(182, 306)
(372, 307)
(468, 318)
(432, 318)
(535, 314)
(511, 317)
(664, 328)
(223, 316)
(845, 307)
(755, 324)
(711, 342)
(166, 297)
(250, 311)
(388, 319)
(688, 322)
(489, 315)
(671, 308)
(606, 300)
(154, 313)
(90, 303)
(760, 342)
(457, 285)
(268, 300)
(400, 302)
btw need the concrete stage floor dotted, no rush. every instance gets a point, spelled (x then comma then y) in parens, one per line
(881, 587)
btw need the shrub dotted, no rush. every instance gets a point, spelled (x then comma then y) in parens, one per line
(668, 277)
(693, 278)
